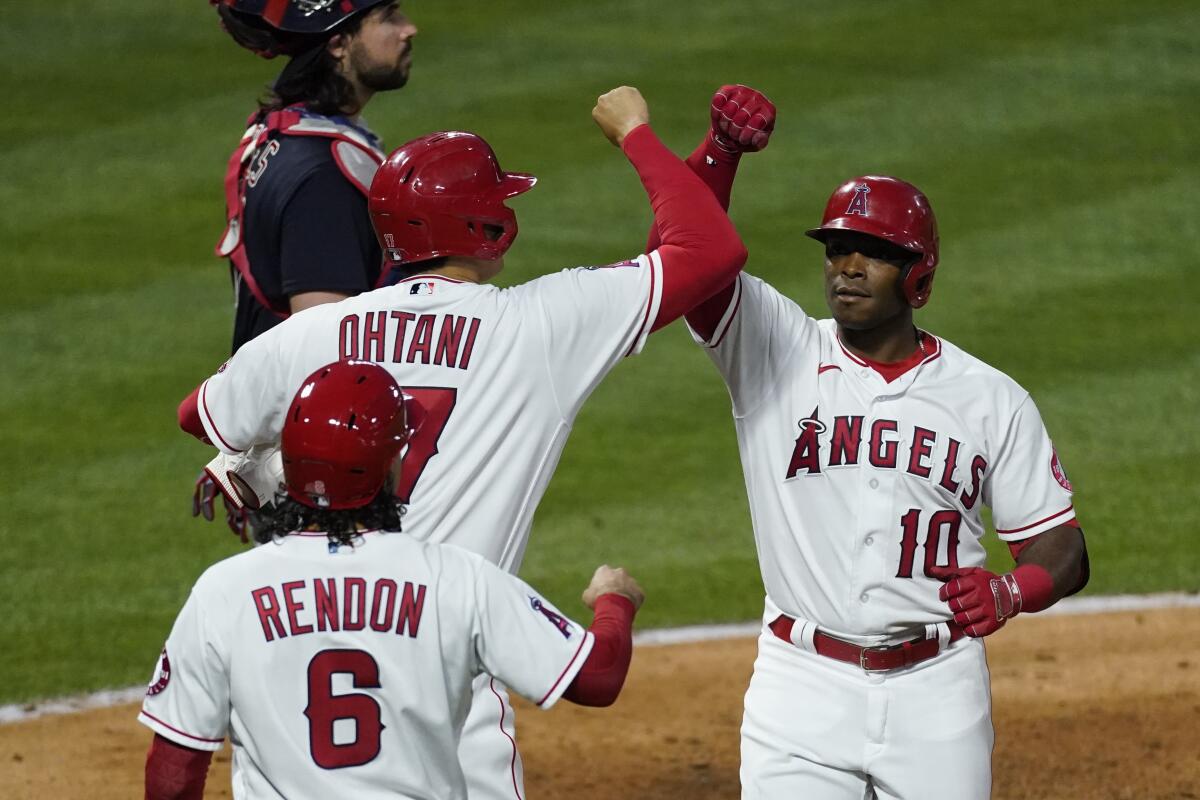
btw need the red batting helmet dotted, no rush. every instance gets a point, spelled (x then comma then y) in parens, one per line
(345, 427)
(443, 195)
(893, 210)
(286, 27)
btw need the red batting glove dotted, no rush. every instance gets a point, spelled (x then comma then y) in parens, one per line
(742, 119)
(982, 601)
(204, 497)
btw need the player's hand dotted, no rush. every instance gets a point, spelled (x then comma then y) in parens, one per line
(620, 111)
(742, 119)
(981, 601)
(204, 497)
(609, 580)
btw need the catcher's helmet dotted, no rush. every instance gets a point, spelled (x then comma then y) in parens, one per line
(893, 210)
(345, 427)
(286, 27)
(443, 195)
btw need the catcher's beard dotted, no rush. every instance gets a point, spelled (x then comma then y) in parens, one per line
(376, 76)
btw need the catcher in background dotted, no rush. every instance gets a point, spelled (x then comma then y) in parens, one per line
(339, 659)
(297, 232)
(870, 448)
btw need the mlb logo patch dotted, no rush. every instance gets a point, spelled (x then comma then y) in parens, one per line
(421, 287)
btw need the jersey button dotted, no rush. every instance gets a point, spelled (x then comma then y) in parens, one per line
(864, 597)
(870, 540)
(865, 373)
(874, 483)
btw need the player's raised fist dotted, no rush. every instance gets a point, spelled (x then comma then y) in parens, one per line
(620, 111)
(742, 119)
(609, 580)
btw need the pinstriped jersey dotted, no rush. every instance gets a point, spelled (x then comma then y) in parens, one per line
(864, 492)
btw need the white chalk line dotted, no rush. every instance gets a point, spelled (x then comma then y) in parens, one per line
(691, 634)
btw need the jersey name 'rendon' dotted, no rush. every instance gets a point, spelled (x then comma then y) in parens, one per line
(904, 468)
(353, 664)
(498, 376)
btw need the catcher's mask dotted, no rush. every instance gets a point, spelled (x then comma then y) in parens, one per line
(345, 427)
(892, 210)
(443, 195)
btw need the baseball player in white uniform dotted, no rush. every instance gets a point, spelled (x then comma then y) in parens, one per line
(870, 449)
(339, 659)
(497, 375)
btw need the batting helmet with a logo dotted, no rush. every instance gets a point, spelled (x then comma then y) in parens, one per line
(443, 195)
(893, 210)
(345, 427)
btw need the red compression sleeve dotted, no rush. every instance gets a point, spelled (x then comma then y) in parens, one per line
(189, 416)
(717, 168)
(700, 250)
(601, 677)
(175, 772)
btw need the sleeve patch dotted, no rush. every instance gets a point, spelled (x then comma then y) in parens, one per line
(1059, 473)
(162, 675)
(557, 620)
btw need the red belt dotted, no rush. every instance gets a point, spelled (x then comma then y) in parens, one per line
(870, 659)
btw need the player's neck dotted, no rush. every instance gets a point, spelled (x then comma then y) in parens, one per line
(471, 270)
(894, 340)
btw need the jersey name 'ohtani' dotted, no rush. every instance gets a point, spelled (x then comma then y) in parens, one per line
(403, 337)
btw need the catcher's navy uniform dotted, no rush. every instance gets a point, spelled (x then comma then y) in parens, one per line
(295, 195)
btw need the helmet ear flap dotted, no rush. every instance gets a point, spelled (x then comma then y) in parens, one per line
(918, 287)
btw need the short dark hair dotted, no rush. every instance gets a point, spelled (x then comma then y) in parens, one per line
(312, 78)
(405, 271)
(342, 527)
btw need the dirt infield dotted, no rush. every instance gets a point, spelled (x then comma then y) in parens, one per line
(1103, 706)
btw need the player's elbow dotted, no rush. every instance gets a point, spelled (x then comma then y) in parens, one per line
(726, 254)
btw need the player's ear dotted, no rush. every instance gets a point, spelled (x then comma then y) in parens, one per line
(336, 46)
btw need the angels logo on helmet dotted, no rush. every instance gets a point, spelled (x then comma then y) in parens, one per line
(858, 203)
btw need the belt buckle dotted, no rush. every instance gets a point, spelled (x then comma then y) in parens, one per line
(862, 659)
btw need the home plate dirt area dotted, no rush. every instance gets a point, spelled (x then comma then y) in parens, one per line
(1097, 706)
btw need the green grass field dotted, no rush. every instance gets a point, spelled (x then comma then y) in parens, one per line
(1056, 141)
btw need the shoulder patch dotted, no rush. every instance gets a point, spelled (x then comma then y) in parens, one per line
(556, 619)
(1060, 474)
(162, 675)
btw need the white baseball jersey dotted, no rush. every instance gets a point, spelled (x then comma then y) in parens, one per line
(862, 491)
(347, 671)
(499, 376)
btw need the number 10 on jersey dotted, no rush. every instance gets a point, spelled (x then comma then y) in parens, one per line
(945, 522)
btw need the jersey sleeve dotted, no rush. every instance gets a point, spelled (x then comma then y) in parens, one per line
(523, 640)
(188, 697)
(325, 238)
(592, 317)
(245, 402)
(1027, 487)
(754, 339)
